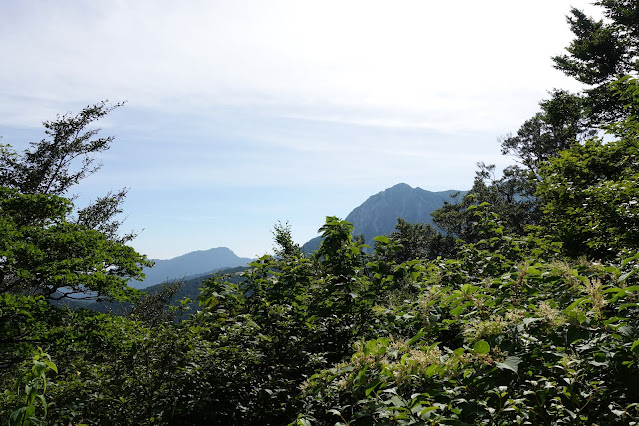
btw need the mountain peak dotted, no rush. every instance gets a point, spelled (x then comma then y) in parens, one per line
(400, 187)
(379, 213)
(193, 263)
(222, 251)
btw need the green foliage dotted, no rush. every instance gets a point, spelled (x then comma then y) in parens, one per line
(285, 246)
(152, 307)
(513, 324)
(531, 342)
(43, 253)
(510, 197)
(48, 167)
(412, 241)
(112, 370)
(340, 253)
(35, 386)
(507, 332)
(47, 246)
(602, 51)
(591, 198)
(561, 123)
(289, 316)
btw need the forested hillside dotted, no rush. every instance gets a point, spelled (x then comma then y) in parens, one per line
(523, 310)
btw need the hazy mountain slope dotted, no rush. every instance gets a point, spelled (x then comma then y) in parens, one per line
(190, 265)
(191, 287)
(378, 215)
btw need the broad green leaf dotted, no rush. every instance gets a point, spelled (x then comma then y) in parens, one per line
(628, 305)
(511, 363)
(372, 387)
(426, 410)
(51, 365)
(481, 347)
(630, 259)
(382, 239)
(575, 304)
(459, 309)
(22, 416)
(418, 336)
(625, 275)
(626, 330)
(468, 289)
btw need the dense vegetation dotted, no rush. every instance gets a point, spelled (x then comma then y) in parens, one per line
(526, 311)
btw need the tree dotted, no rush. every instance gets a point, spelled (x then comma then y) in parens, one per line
(55, 164)
(511, 197)
(600, 54)
(46, 168)
(561, 123)
(602, 51)
(412, 241)
(47, 246)
(340, 253)
(591, 193)
(285, 246)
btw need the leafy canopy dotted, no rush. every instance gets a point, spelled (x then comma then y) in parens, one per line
(47, 245)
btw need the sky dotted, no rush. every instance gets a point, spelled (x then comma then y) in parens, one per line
(243, 114)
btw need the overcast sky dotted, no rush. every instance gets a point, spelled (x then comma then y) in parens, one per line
(244, 113)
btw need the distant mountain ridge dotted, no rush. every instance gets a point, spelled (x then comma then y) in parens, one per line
(190, 265)
(379, 213)
(376, 216)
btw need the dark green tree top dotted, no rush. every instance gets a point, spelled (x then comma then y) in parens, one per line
(561, 122)
(603, 50)
(591, 191)
(47, 246)
(50, 166)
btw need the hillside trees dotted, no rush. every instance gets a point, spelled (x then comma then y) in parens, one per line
(49, 249)
(510, 196)
(602, 52)
(112, 370)
(47, 245)
(513, 327)
(519, 328)
(289, 316)
(590, 191)
(410, 241)
(292, 315)
(511, 333)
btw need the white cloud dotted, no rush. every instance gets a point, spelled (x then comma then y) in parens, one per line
(353, 95)
(408, 55)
